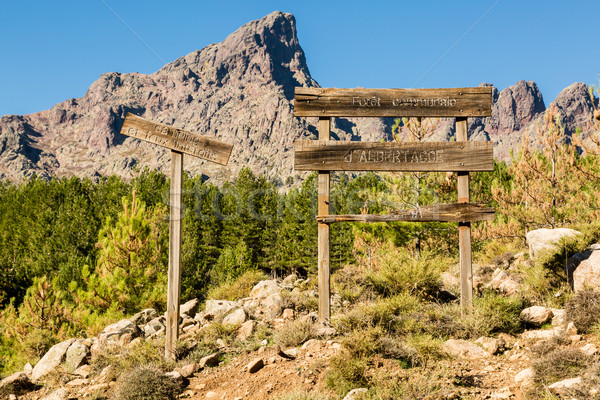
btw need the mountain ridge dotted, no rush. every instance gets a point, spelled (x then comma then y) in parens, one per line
(239, 91)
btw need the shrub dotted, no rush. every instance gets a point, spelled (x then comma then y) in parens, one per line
(560, 364)
(123, 360)
(294, 334)
(238, 288)
(415, 386)
(398, 272)
(584, 309)
(347, 372)
(146, 382)
(493, 313)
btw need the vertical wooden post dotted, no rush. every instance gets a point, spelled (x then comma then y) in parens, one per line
(323, 230)
(174, 285)
(464, 231)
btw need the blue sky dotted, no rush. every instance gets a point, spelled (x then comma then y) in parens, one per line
(54, 50)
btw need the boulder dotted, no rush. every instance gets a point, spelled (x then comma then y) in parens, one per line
(525, 377)
(559, 316)
(210, 360)
(190, 308)
(60, 394)
(155, 326)
(120, 333)
(236, 317)
(77, 355)
(565, 384)
(590, 349)
(255, 365)
(583, 270)
(264, 289)
(536, 316)
(547, 239)
(218, 308)
(17, 383)
(246, 330)
(464, 349)
(492, 345)
(52, 359)
(355, 394)
(144, 316)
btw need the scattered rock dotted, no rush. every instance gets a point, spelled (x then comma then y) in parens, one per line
(119, 333)
(144, 316)
(16, 383)
(217, 308)
(547, 239)
(464, 349)
(536, 316)
(78, 382)
(28, 369)
(190, 308)
(525, 377)
(52, 359)
(60, 394)
(176, 376)
(236, 317)
(590, 349)
(492, 345)
(541, 334)
(288, 355)
(288, 314)
(559, 317)
(354, 394)
(209, 361)
(571, 329)
(188, 370)
(83, 371)
(583, 270)
(76, 356)
(559, 386)
(325, 330)
(155, 326)
(106, 375)
(246, 330)
(256, 365)
(212, 395)
(503, 394)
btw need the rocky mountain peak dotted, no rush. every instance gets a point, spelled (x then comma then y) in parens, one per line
(575, 105)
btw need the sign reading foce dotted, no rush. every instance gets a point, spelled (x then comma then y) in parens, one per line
(393, 156)
(176, 139)
(450, 102)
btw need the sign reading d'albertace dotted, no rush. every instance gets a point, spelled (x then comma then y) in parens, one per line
(452, 102)
(179, 141)
(176, 139)
(393, 156)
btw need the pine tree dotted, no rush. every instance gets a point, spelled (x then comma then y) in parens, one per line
(131, 271)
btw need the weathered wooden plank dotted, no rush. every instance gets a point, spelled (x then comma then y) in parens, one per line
(464, 231)
(450, 102)
(323, 231)
(457, 212)
(176, 139)
(174, 278)
(393, 156)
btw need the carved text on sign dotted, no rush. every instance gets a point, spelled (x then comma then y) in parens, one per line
(394, 156)
(179, 140)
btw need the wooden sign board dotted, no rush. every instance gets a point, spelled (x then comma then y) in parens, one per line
(177, 139)
(457, 212)
(454, 102)
(315, 155)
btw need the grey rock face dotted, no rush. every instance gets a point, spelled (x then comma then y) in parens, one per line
(52, 359)
(547, 239)
(583, 270)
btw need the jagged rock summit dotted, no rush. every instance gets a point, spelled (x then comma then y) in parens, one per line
(239, 91)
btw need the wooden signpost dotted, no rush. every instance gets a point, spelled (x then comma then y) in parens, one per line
(461, 156)
(179, 141)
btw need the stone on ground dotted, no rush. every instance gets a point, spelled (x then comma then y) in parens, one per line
(547, 239)
(464, 349)
(52, 359)
(536, 316)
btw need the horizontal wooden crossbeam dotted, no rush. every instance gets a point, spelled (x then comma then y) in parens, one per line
(393, 156)
(456, 212)
(451, 102)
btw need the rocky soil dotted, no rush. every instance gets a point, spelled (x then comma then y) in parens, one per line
(247, 367)
(241, 92)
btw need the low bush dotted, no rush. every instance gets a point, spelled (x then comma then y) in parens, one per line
(238, 288)
(347, 372)
(294, 334)
(561, 363)
(397, 272)
(494, 313)
(146, 382)
(584, 310)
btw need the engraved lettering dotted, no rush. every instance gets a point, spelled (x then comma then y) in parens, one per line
(366, 102)
(428, 102)
(348, 156)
